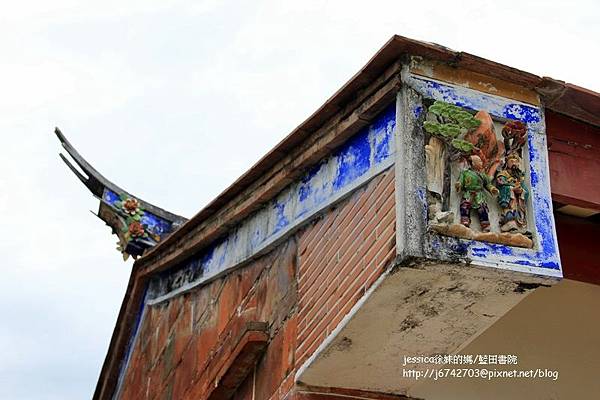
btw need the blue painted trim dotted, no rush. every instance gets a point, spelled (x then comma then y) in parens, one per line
(367, 153)
(153, 223)
(131, 344)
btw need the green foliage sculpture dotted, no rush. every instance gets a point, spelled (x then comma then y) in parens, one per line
(450, 124)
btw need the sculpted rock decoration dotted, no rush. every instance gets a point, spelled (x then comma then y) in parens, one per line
(487, 146)
(447, 125)
(489, 179)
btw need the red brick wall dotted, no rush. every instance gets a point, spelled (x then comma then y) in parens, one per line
(302, 290)
(181, 342)
(341, 256)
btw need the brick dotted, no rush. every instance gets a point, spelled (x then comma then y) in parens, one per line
(277, 291)
(201, 303)
(184, 376)
(249, 275)
(167, 391)
(314, 335)
(182, 331)
(335, 270)
(314, 229)
(311, 326)
(245, 390)
(308, 350)
(322, 250)
(227, 303)
(205, 342)
(286, 386)
(354, 292)
(332, 245)
(302, 289)
(175, 306)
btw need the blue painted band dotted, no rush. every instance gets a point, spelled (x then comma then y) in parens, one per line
(367, 153)
(153, 223)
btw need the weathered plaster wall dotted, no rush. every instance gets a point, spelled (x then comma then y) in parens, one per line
(473, 80)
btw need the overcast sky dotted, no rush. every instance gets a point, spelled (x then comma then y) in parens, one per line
(172, 100)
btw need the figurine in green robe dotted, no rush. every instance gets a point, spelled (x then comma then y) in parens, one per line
(472, 184)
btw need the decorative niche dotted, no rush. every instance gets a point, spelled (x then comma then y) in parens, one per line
(477, 182)
(473, 178)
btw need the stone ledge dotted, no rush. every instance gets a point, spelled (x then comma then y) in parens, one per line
(463, 232)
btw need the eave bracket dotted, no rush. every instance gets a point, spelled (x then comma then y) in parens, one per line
(138, 224)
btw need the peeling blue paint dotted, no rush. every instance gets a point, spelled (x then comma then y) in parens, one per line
(550, 265)
(110, 197)
(382, 142)
(353, 161)
(282, 221)
(304, 192)
(370, 147)
(521, 112)
(418, 111)
(475, 101)
(480, 251)
(421, 195)
(533, 174)
(368, 152)
(305, 188)
(153, 223)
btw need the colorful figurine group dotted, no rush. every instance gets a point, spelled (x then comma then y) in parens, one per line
(493, 166)
(508, 183)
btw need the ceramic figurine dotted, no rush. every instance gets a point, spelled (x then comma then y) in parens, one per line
(513, 196)
(472, 183)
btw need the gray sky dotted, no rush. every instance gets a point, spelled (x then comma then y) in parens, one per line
(172, 100)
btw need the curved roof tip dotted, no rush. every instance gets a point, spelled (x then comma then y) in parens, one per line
(138, 224)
